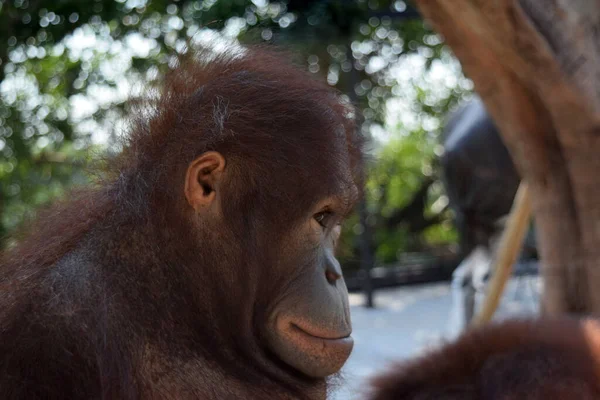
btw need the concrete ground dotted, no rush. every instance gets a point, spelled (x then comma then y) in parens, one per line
(407, 320)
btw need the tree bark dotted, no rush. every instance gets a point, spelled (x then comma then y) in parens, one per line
(536, 65)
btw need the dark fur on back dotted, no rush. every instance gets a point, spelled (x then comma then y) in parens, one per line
(115, 294)
(556, 359)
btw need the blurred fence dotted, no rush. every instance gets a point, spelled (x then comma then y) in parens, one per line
(412, 268)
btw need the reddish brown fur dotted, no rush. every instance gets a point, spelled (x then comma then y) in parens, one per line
(116, 295)
(556, 359)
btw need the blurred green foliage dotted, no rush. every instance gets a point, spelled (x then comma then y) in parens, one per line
(67, 67)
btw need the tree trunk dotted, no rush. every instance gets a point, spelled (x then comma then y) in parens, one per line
(536, 64)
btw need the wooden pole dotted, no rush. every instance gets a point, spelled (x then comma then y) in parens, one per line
(511, 243)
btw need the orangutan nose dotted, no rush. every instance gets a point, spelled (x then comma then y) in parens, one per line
(333, 270)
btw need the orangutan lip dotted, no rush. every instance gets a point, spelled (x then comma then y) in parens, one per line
(297, 328)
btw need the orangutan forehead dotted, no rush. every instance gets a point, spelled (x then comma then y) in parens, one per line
(338, 186)
(330, 170)
(346, 195)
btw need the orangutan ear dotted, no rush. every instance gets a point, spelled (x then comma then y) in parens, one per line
(202, 178)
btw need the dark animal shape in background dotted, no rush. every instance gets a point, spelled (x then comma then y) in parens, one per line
(555, 359)
(481, 182)
(203, 268)
(478, 173)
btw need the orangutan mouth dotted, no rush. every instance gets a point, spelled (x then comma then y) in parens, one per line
(322, 335)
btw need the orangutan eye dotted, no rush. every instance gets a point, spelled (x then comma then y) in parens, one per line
(323, 218)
